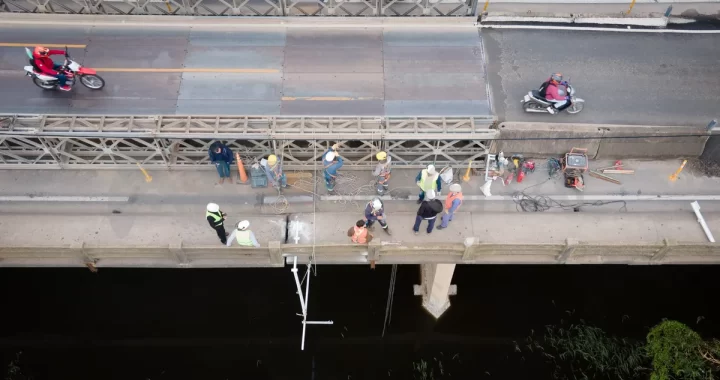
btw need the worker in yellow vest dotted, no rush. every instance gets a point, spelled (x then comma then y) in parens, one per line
(452, 202)
(244, 237)
(428, 179)
(359, 234)
(216, 218)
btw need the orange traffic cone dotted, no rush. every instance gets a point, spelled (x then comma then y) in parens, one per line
(241, 168)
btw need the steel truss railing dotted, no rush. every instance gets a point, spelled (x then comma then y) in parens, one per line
(177, 142)
(443, 8)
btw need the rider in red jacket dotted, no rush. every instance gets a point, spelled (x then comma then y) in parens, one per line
(556, 92)
(43, 62)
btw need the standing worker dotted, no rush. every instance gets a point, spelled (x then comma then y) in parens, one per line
(452, 202)
(359, 233)
(375, 212)
(222, 157)
(244, 237)
(274, 172)
(382, 172)
(216, 218)
(332, 162)
(428, 210)
(428, 179)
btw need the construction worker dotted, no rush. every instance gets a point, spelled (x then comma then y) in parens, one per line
(359, 233)
(332, 162)
(244, 237)
(428, 179)
(222, 157)
(216, 218)
(274, 172)
(382, 172)
(452, 202)
(428, 210)
(375, 212)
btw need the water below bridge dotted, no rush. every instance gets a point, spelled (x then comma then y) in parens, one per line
(242, 323)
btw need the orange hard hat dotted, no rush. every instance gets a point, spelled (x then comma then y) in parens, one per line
(41, 50)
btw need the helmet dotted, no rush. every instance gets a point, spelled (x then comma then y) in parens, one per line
(243, 225)
(455, 188)
(381, 155)
(213, 207)
(430, 194)
(330, 156)
(41, 50)
(431, 169)
(557, 77)
(376, 204)
(272, 159)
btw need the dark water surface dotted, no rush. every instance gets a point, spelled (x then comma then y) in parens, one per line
(242, 323)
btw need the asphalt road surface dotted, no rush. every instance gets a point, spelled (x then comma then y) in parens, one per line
(625, 78)
(260, 71)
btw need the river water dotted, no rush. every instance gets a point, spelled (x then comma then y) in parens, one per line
(242, 323)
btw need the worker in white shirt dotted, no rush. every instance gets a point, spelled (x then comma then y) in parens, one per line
(244, 237)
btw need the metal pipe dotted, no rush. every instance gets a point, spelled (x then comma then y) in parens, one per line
(696, 207)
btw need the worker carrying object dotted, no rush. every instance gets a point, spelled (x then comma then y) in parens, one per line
(382, 172)
(216, 218)
(244, 237)
(332, 162)
(359, 234)
(375, 212)
(222, 157)
(452, 202)
(428, 210)
(428, 179)
(274, 172)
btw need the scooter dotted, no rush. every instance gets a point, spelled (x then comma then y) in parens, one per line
(534, 102)
(88, 77)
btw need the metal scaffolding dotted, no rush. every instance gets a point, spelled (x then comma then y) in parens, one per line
(358, 8)
(177, 142)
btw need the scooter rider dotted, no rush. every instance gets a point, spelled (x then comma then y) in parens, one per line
(555, 91)
(45, 64)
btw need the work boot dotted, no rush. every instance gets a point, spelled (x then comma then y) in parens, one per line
(387, 231)
(64, 88)
(440, 227)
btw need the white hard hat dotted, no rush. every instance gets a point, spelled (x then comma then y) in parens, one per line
(213, 207)
(430, 194)
(330, 156)
(455, 188)
(376, 204)
(243, 225)
(431, 169)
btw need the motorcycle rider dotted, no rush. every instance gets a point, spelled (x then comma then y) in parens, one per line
(45, 64)
(555, 91)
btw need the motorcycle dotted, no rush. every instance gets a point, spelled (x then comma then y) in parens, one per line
(534, 102)
(88, 77)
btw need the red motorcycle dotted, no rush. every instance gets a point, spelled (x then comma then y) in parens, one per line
(88, 77)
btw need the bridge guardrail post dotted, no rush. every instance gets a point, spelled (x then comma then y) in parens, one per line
(662, 252)
(570, 245)
(275, 252)
(177, 253)
(469, 248)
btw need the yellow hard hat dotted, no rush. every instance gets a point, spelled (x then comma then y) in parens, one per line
(272, 159)
(381, 155)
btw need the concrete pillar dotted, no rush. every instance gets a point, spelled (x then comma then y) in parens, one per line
(436, 287)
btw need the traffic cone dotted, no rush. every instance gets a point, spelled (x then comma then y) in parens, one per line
(241, 168)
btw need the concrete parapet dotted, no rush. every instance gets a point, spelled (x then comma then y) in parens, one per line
(602, 142)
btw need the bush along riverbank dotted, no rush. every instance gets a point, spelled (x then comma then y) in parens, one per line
(671, 351)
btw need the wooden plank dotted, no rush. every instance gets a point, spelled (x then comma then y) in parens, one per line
(618, 171)
(604, 177)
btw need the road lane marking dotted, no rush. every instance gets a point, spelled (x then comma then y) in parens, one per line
(28, 198)
(326, 98)
(18, 44)
(185, 70)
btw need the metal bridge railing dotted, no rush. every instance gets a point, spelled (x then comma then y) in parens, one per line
(119, 142)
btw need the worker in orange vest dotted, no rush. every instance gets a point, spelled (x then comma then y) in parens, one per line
(452, 202)
(359, 234)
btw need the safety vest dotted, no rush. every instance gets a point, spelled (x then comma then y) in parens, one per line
(360, 235)
(423, 181)
(243, 238)
(217, 218)
(450, 198)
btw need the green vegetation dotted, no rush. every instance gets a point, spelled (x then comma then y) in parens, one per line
(678, 352)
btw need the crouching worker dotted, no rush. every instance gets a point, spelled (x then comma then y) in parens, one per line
(359, 234)
(244, 237)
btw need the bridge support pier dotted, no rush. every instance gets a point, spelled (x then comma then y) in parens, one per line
(436, 288)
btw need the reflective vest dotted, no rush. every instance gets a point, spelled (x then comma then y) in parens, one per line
(450, 198)
(423, 181)
(243, 238)
(360, 235)
(218, 218)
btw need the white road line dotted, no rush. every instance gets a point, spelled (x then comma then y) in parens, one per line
(590, 29)
(27, 198)
(574, 198)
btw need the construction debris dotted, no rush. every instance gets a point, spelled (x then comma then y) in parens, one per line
(604, 177)
(618, 171)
